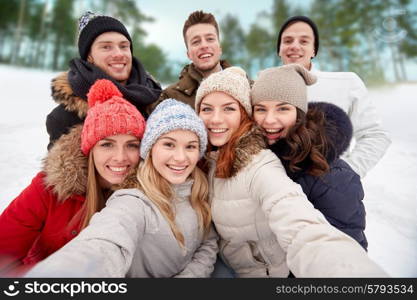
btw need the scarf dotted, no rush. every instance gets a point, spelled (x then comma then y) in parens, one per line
(140, 89)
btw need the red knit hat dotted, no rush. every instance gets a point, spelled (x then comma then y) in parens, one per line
(109, 114)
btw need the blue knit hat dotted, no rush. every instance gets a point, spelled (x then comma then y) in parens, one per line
(168, 116)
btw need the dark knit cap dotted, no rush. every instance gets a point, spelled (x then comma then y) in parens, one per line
(304, 19)
(92, 25)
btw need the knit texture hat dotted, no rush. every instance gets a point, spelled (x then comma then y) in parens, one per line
(109, 114)
(286, 83)
(92, 25)
(168, 116)
(304, 19)
(232, 81)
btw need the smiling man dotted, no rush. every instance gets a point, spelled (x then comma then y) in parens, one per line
(105, 49)
(201, 37)
(298, 42)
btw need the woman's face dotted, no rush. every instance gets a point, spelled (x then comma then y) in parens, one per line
(114, 157)
(221, 115)
(275, 118)
(175, 155)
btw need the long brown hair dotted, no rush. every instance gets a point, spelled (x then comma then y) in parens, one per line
(227, 153)
(307, 141)
(95, 198)
(160, 192)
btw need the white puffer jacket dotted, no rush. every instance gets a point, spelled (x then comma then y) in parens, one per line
(268, 227)
(347, 90)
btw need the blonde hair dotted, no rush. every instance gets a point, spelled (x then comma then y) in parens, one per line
(162, 196)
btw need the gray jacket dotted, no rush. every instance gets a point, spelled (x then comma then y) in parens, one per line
(130, 237)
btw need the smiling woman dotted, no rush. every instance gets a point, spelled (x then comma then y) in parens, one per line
(161, 225)
(75, 180)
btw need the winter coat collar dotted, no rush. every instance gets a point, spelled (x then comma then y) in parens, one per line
(190, 78)
(62, 93)
(250, 144)
(66, 166)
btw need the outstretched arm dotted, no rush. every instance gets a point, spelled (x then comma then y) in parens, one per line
(106, 247)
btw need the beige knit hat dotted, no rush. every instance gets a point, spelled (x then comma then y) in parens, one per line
(286, 83)
(232, 81)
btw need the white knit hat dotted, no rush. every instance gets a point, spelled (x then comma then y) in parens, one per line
(231, 81)
(168, 116)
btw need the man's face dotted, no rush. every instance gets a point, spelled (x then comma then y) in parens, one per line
(297, 45)
(203, 48)
(110, 52)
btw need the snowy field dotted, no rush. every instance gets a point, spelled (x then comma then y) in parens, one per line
(390, 188)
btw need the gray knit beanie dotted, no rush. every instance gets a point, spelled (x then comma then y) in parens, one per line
(232, 81)
(168, 116)
(286, 83)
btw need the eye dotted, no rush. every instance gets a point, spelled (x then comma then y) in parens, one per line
(106, 47)
(106, 145)
(133, 145)
(168, 144)
(283, 108)
(206, 109)
(259, 109)
(229, 108)
(192, 147)
(124, 46)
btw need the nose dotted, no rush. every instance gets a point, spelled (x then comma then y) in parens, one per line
(120, 154)
(295, 45)
(117, 52)
(270, 118)
(179, 154)
(216, 117)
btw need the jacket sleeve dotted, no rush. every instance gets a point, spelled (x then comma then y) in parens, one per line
(338, 195)
(202, 263)
(314, 248)
(105, 248)
(22, 221)
(371, 140)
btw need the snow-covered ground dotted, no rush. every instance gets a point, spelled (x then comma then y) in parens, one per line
(391, 187)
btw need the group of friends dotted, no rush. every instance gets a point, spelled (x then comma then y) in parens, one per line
(217, 175)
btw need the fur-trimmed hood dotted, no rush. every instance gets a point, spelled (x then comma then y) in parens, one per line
(338, 128)
(62, 93)
(250, 144)
(66, 167)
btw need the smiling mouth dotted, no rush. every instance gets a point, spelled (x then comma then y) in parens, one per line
(177, 169)
(218, 130)
(273, 134)
(118, 170)
(205, 55)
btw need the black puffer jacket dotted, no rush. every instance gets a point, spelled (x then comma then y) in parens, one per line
(338, 194)
(69, 90)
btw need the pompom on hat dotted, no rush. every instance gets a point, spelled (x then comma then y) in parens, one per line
(168, 116)
(231, 81)
(286, 83)
(91, 25)
(109, 114)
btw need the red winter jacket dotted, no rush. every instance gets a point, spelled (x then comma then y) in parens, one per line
(37, 223)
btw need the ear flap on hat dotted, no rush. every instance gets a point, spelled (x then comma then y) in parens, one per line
(309, 78)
